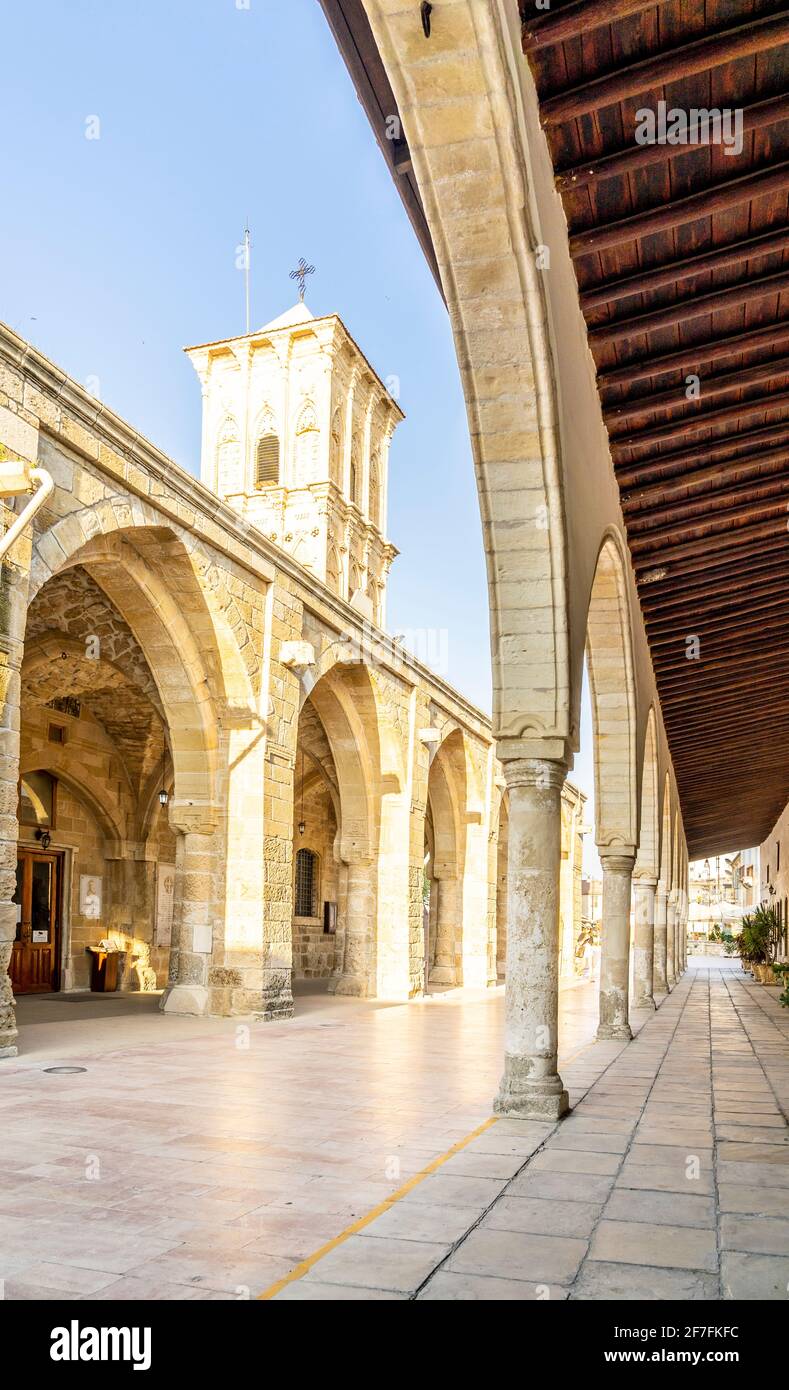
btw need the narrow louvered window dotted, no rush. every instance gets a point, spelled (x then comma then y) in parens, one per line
(267, 460)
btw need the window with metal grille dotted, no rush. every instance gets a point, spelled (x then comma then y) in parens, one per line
(306, 883)
(267, 460)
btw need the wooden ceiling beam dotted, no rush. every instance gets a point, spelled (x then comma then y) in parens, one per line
(710, 597)
(695, 678)
(691, 354)
(723, 540)
(672, 630)
(715, 504)
(710, 386)
(744, 555)
(681, 462)
(707, 419)
(694, 307)
(642, 282)
(665, 66)
(539, 28)
(758, 183)
(618, 163)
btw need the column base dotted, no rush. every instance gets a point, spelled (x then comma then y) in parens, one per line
(185, 999)
(610, 1032)
(525, 1098)
(441, 975)
(9, 1050)
(353, 985)
(646, 1003)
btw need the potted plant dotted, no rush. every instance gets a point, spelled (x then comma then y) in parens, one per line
(759, 941)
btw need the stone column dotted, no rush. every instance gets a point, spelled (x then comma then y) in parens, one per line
(615, 955)
(671, 938)
(659, 981)
(193, 916)
(13, 609)
(447, 917)
(531, 1086)
(355, 974)
(644, 890)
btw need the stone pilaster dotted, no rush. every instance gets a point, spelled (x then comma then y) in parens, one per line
(671, 938)
(447, 920)
(531, 1086)
(644, 892)
(355, 972)
(193, 915)
(615, 955)
(13, 599)
(659, 982)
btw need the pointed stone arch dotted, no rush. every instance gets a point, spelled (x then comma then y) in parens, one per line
(86, 788)
(484, 232)
(649, 835)
(612, 689)
(146, 573)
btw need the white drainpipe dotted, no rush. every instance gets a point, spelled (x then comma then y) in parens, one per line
(45, 485)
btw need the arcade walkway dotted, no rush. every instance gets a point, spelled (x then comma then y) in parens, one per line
(192, 1159)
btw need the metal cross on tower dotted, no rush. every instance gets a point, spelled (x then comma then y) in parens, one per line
(300, 273)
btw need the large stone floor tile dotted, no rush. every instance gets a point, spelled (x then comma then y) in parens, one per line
(567, 1187)
(664, 1208)
(448, 1286)
(538, 1259)
(408, 1220)
(763, 1235)
(445, 1189)
(553, 1160)
(469, 1164)
(675, 1247)
(313, 1291)
(664, 1178)
(754, 1276)
(399, 1266)
(642, 1283)
(762, 1200)
(589, 1142)
(541, 1216)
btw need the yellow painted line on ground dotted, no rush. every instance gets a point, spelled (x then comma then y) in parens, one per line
(300, 1270)
(306, 1265)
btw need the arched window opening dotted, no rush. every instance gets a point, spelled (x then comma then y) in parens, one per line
(375, 493)
(353, 479)
(37, 800)
(335, 459)
(306, 883)
(267, 461)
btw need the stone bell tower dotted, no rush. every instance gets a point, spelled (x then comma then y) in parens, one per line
(296, 434)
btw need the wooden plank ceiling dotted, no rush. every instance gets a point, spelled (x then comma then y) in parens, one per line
(682, 259)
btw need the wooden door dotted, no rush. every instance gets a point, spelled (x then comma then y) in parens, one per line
(34, 959)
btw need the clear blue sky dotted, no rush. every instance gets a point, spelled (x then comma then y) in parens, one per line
(118, 251)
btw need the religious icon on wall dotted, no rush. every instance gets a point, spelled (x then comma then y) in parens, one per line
(165, 898)
(90, 896)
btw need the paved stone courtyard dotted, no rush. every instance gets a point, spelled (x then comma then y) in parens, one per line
(195, 1160)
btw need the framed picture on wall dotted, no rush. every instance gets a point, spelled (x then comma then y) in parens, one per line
(165, 899)
(90, 893)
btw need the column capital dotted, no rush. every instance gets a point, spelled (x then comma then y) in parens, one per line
(534, 772)
(644, 881)
(193, 817)
(616, 861)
